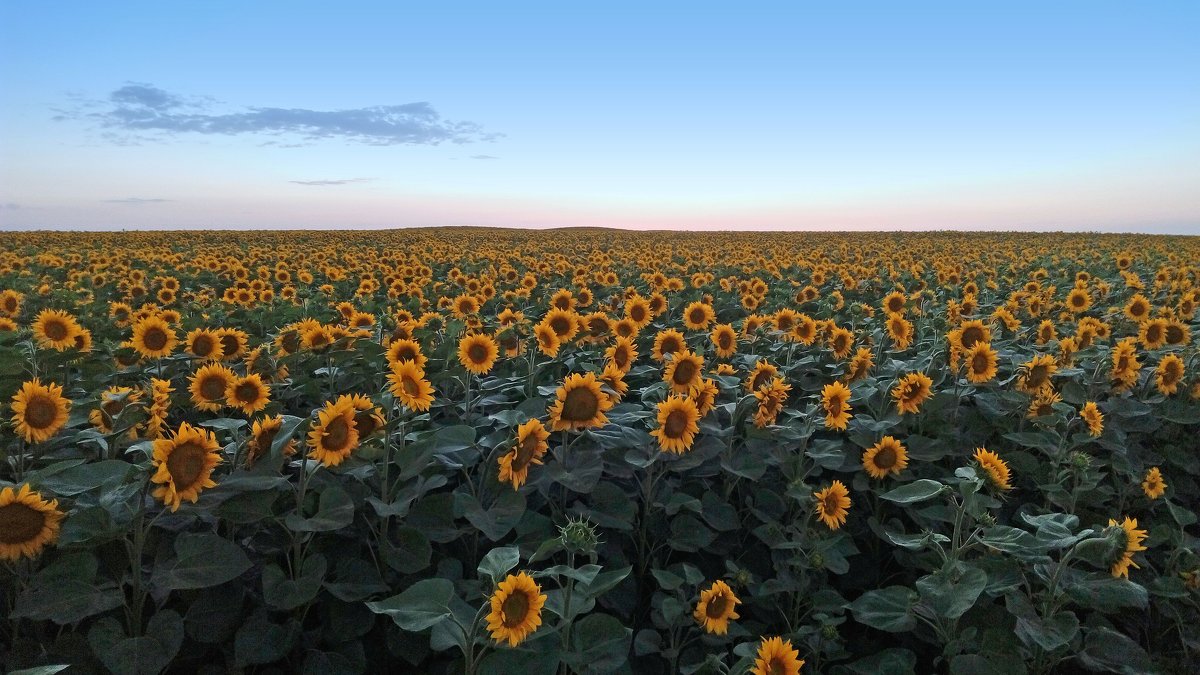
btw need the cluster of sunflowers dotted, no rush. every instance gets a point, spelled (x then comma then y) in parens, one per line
(578, 452)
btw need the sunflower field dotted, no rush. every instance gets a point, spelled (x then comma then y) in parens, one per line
(588, 451)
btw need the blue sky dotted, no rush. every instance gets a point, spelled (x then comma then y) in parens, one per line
(1013, 115)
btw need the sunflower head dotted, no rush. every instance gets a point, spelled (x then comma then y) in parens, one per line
(210, 385)
(888, 456)
(981, 362)
(684, 371)
(833, 504)
(531, 445)
(335, 436)
(668, 341)
(409, 386)
(1153, 484)
(622, 353)
(262, 437)
(995, 468)
(516, 609)
(1131, 539)
(39, 411)
(249, 394)
(716, 608)
(677, 424)
(911, 392)
(579, 404)
(28, 523)
(777, 656)
(835, 399)
(477, 352)
(184, 465)
(153, 338)
(55, 329)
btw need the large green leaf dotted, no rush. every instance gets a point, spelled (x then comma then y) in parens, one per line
(422, 605)
(201, 560)
(888, 609)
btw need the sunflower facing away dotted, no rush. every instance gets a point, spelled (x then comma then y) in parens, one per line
(777, 656)
(835, 399)
(209, 386)
(833, 504)
(477, 353)
(530, 447)
(262, 438)
(677, 424)
(153, 338)
(1094, 418)
(410, 387)
(516, 609)
(184, 465)
(995, 468)
(911, 392)
(888, 456)
(39, 411)
(1133, 543)
(28, 523)
(716, 608)
(248, 394)
(771, 397)
(579, 404)
(1153, 485)
(335, 435)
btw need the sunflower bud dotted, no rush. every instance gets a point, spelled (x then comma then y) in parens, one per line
(1080, 460)
(579, 536)
(829, 632)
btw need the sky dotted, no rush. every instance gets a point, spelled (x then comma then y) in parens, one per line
(834, 116)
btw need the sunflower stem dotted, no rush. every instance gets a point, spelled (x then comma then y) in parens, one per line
(567, 618)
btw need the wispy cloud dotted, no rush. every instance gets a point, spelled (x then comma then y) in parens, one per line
(136, 201)
(483, 157)
(338, 181)
(143, 112)
(10, 206)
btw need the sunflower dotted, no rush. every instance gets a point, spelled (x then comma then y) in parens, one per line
(667, 342)
(840, 342)
(615, 379)
(1153, 333)
(184, 465)
(516, 609)
(210, 385)
(55, 329)
(1169, 374)
(833, 504)
(771, 397)
(1138, 308)
(1153, 484)
(784, 321)
(900, 330)
(1177, 333)
(981, 362)
(160, 405)
(547, 340)
(677, 428)
(335, 435)
(716, 608)
(893, 303)
(1094, 418)
(724, 339)
(249, 394)
(153, 338)
(622, 353)
(1078, 300)
(760, 375)
(204, 344)
(477, 352)
(1133, 538)
(995, 468)
(1035, 373)
(684, 371)
(27, 523)
(911, 392)
(316, 338)
(705, 395)
(410, 387)
(565, 323)
(39, 411)
(530, 447)
(1043, 402)
(1046, 332)
(860, 365)
(113, 402)
(804, 330)
(698, 315)
(776, 656)
(263, 436)
(7, 324)
(835, 399)
(10, 303)
(887, 456)
(1125, 365)
(637, 310)
(579, 404)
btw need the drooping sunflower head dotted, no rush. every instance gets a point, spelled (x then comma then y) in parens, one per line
(1043, 402)
(677, 424)
(263, 435)
(209, 386)
(28, 523)
(409, 386)
(114, 401)
(777, 656)
(248, 394)
(153, 338)
(1132, 538)
(55, 329)
(39, 411)
(1153, 484)
(833, 504)
(579, 404)
(530, 447)
(911, 392)
(184, 465)
(888, 456)
(860, 364)
(716, 608)
(771, 398)
(516, 609)
(835, 399)
(705, 395)
(477, 353)
(684, 371)
(995, 468)
(334, 437)
(760, 375)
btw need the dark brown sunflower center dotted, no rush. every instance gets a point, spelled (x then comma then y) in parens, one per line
(777, 667)
(561, 325)
(621, 357)
(212, 388)
(1174, 335)
(202, 345)
(365, 422)
(970, 336)
(525, 452)
(723, 340)
(1037, 376)
(55, 330)
(154, 338)
(1171, 374)
(783, 323)
(886, 457)
(477, 353)
(246, 392)
(697, 316)
(265, 440)
(1137, 309)
(676, 424)
(230, 344)
(1153, 333)
(337, 434)
(831, 504)
(515, 609)
(834, 405)
(717, 606)
(290, 341)
(637, 313)
(580, 405)
(980, 363)
(10, 304)
(839, 343)
(40, 412)
(895, 305)
(1078, 299)
(685, 372)
(410, 386)
(19, 523)
(185, 464)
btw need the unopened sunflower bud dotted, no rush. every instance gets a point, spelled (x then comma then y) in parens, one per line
(579, 536)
